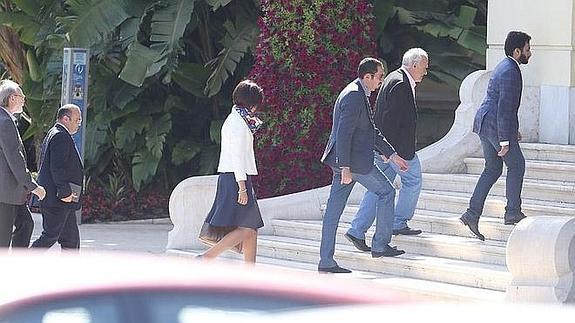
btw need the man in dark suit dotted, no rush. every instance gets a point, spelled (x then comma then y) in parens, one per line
(61, 173)
(497, 125)
(349, 152)
(15, 179)
(396, 117)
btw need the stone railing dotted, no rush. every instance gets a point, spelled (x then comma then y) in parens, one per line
(541, 259)
(446, 155)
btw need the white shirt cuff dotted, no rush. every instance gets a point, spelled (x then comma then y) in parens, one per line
(504, 143)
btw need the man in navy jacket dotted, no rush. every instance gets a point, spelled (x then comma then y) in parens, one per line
(497, 125)
(61, 173)
(349, 152)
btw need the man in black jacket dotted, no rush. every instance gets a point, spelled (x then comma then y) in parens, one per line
(396, 118)
(61, 173)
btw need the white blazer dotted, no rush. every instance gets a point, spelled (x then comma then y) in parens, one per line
(237, 151)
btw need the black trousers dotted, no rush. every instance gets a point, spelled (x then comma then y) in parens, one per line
(60, 226)
(23, 227)
(7, 215)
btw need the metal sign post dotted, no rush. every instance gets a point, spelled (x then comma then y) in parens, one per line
(75, 91)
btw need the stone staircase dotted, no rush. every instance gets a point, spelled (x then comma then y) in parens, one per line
(446, 254)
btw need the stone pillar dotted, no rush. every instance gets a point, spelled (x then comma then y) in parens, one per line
(547, 111)
(541, 259)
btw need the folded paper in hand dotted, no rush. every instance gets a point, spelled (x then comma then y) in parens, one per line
(76, 191)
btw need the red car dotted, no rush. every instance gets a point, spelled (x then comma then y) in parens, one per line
(110, 288)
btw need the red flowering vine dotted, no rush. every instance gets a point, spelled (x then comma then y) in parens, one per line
(308, 50)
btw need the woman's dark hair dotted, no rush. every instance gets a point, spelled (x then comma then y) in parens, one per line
(248, 94)
(368, 66)
(515, 39)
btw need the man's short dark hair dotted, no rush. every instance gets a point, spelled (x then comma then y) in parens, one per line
(368, 66)
(248, 94)
(66, 110)
(515, 39)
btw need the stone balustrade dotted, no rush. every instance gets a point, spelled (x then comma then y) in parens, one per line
(541, 259)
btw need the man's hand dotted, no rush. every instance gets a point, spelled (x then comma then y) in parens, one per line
(346, 177)
(68, 199)
(40, 192)
(399, 162)
(503, 151)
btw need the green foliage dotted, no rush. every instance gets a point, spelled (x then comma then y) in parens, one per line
(167, 25)
(144, 166)
(236, 43)
(92, 20)
(23, 23)
(453, 32)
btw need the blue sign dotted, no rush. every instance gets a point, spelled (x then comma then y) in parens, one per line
(75, 87)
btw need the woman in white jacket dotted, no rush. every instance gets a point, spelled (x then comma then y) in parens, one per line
(235, 216)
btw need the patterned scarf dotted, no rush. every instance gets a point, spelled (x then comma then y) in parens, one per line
(253, 122)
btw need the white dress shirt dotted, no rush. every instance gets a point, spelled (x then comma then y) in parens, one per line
(411, 80)
(237, 149)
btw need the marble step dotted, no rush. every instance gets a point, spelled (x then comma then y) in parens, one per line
(412, 288)
(430, 244)
(448, 223)
(532, 189)
(458, 202)
(451, 271)
(545, 170)
(537, 151)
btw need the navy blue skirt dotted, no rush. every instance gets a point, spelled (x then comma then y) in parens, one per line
(227, 213)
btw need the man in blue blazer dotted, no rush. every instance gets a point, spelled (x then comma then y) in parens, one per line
(61, 173)
(349, 152)
(497, 125)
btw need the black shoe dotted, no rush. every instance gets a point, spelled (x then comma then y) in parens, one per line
(387, 252)
(359, 244)
(509, 220)
(473, 225)
(334, 270)
(407, 231)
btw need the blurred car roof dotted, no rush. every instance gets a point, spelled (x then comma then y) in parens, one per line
(30, 276)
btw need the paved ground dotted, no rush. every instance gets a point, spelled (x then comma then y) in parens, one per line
(145, 236)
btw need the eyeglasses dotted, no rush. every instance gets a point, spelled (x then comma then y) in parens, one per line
(20, 95)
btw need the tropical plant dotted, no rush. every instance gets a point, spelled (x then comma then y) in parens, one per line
(452, 31)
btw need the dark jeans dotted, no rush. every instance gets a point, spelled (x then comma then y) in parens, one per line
(23, 227)
(515, 163)
(59, 226)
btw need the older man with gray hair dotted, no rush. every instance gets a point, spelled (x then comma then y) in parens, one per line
(15, 179)
(396, 118)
